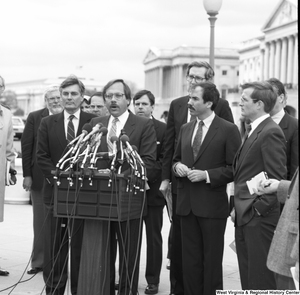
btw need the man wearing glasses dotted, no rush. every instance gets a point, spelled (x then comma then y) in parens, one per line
(256, 216)
(141, 133)
(179, 115)
(33, 177)
(61, 234)
(97, 105)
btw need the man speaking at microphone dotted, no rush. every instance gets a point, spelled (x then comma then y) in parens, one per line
(141, 133)
(54, 134)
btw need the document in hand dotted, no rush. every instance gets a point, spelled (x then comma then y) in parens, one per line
(256, 180)
(168, 198)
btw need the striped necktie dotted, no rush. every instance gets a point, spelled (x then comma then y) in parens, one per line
(112, 132)
(198, 139)
(71, 129)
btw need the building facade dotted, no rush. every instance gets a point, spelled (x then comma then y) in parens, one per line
(165, 70)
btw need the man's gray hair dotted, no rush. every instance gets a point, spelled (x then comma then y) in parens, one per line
(50, 88)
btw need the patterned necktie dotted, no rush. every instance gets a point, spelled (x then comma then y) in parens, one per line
(71, 129)
(198, 139)
(112, 132)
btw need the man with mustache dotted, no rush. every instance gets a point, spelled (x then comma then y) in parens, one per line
(179, 115)
(33, 176)
(202, 164)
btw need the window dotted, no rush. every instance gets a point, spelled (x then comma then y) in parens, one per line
(224, 73)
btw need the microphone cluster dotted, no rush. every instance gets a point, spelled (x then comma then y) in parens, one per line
(82, 154)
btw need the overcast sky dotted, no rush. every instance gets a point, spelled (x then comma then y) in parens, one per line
(110, 38)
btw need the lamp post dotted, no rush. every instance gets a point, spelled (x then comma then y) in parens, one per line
(212, 8)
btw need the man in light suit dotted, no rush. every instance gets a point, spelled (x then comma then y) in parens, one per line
(289, 126)
(179, 115)
(203, 164)
(141, 133)
(256, 217)
(33, 176)
(284, 250)
(52, 142)
(144, 102)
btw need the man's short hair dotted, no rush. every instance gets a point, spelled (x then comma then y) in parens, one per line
(72, 80)
(279, 87)
(127, 91)
(98, 93)
(141, 93)
(3, 81)
(209, 74)
(210, 92)
(263, 91)
(49, 89)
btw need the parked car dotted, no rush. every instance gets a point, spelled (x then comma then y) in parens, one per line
(18, 126)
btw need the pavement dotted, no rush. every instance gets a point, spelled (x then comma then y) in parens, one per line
(16, 243)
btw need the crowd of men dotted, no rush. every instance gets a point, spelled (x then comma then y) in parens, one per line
(198, 152)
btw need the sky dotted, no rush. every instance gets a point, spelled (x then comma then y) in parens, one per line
(109, 39)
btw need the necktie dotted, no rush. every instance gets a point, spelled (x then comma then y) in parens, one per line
(198, 139)
(71, 129)
(112, 132)
(248, 129)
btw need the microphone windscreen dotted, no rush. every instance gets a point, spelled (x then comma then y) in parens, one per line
(134, 148)
(114, 138)
(87, 127)
(124, 138)
(103, 130)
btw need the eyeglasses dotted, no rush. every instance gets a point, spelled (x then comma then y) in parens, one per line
(117, 96)
(54, 98)
(73, 93)
(96, 106)
(1, 86)
(197, 79)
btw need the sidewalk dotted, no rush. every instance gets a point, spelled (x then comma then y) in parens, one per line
(16, 242)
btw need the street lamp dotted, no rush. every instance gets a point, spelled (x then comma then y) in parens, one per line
(212, 8)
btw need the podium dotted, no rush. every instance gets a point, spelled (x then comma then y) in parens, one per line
(98, 198)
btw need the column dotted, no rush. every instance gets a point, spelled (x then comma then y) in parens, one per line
(295, 73)
(272, 59)
(283, 66)
(160, 82)
(266, 63)
(277, 58)
(290, 60)
(180, 80)
(262, 64)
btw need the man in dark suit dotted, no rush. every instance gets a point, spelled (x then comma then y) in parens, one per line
(289, 126)
(203, 164)
(53, 137)
(179, 115)
(141, 133)
(144, 102)
(256, 217)
(33, 177)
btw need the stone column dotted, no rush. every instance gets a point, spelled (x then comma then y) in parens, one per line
(283, 66)
(277, 59)
(266, 61)
(160, 82)
(180, 80)
(272, 59)
(262, 64)
(290, 60)
(295, 72)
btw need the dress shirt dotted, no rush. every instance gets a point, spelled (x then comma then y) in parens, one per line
(120, 124)
(256, 122)
(206, 124)
(278, 117)
(75, 121)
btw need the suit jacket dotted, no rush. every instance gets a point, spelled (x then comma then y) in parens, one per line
(289, 126)
(29, 144)
(216, 155)
(141, 134)
(154, 196)
(264, 150)
(51, 146)
(177, 117)
(287, 230)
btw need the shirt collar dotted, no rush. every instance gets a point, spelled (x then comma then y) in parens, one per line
(122, 118)
(76, 114)
(256, 122)
(207, 121)
(278, 117)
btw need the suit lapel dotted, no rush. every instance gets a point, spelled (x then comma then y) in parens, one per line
(130, 125)
(60, 129)
(183, 110)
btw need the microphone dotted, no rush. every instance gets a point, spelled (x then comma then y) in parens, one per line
(87, 128)
(135, 149)
(102, 132)
(114, 139)
(95, 130)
